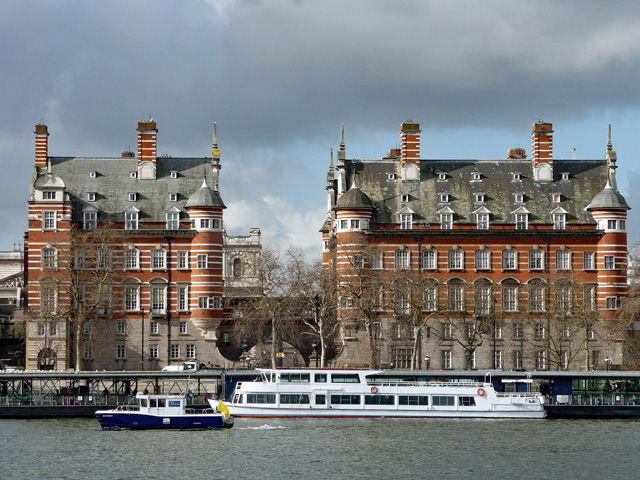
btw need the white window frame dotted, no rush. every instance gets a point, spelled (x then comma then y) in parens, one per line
(612, 303)
(132, 259)
(173, 197)
(483, 259)
(121, 351)
(49, 219)
(536, 259)
(456, 299)
(563, 259)
(121, 327)
(406, 221)
(158, 299)
(48, 258)
(131, 298)
(522, 221)
(91, 196)
(190, 350)
(202, 261)
(173, 220)
(609, 262)
(446, 221)
(509, 298)
(203, 303)
(89, 220)
(133, 196)
(131, 220)
(589, 261)
(182, 327)
(429, 259)
(455, 259)
(482, 221)
(559, 221)
(158, 259)
(174, 352)
(402, 258)
(154, 352)
(154, 327)
(509, 259)
(183, 298)
(377, 261)
(183, 259)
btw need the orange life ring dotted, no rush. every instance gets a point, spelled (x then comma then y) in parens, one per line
(481, 391)
(374, 389)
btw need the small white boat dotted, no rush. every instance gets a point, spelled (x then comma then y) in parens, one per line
(374, 393)
(163, 412)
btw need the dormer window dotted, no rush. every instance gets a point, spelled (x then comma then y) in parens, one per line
(173, 197)
(90, 219)
(555, 198)
(133, 174)
(518, 198)
(516, 177)
(391, 176)
(404, 198)
(446, 221)
(49, 195)
(133, 196)
(482, 221)
(442, 176)
(476, 176)
(565, 175)
(93, 174)
(406, 221)
(559, 221)
(479, 197)
(444, 197)
(91, 196)
(174, 174)
(522, 221)
(131, 220)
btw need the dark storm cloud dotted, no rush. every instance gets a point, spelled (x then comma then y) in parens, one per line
(277, 75)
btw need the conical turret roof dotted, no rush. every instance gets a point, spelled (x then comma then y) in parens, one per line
(205, 196)
(608, 198)
(354, 198)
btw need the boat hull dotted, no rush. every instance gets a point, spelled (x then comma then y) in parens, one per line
(114, 420)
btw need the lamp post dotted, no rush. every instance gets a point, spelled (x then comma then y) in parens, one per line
(142, 341)
(314, 345)
(607, 361)
(427, 361)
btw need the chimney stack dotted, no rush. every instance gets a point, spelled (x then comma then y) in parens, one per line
(410, 143)
(42, 145)
(516, 153)
(147, 138)
(542, 143)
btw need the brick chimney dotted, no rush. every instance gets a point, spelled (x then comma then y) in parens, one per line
(42, 145)
(542, 143)
(516, 153)
(410, 143)
(147, 138)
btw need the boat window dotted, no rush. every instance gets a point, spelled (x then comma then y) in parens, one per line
(320, 378)
(294, 377)
(261, 398)
(294, 398)
(161, 402)
(466, 401)
(321, 399)
(414, 400)
(345, 378)
(237, 398)
(143, 402)
(379, 399)
(444, 401)
(345, 399)
(153, 403)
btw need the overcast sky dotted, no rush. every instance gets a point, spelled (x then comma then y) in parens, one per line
(279, 77)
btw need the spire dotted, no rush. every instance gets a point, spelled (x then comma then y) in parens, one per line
(330, 175)
(215, 159)
(342, 150)
(611, 158)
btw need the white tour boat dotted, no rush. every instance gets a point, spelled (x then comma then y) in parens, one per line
(374, 393)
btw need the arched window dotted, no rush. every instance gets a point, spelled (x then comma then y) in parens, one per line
(509, 296)
(158, 256)
(237, 267)
(509, 259)
(456, 259)
(402, 258)
(563, 259)
(483, 259)
(48, 258)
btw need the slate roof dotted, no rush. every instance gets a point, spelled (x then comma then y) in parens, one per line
(113, 183)
(381, 180)
(354, 198)
(608, 198)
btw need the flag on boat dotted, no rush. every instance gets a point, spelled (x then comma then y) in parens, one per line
(222, 408)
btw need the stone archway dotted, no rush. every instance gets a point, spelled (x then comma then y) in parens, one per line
(47, 359)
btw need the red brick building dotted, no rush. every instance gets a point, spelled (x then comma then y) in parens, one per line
(165, 220)
(505, 263)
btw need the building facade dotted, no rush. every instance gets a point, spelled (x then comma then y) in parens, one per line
(124, 259)
(509, 263)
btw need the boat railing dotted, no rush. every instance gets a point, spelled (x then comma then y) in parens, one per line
(517, 394)
(427, 384)
(128, 408)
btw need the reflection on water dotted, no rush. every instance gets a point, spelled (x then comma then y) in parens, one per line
(324, 449)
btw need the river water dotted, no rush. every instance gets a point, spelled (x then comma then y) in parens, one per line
(324, 449)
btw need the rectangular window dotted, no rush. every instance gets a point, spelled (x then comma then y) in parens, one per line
(612, 303)
(355, 224)
(456, 298)
(154, 352)
(611, 224)
(121, 327)
(564, 303)
(261, 398)
(203, 302)
(466, 401)
(497, 359)
(482, 260)
(406, 221)
(205, 223)
(121, 351)
(90, 220)
(131, 220)
(536, 299)
(590, 298)
(429, 259)
(541, 360)
(133, 196)
(202, 261)
(446, 221)
(191, 350)
(344, 224)
(446, 359)
(589, 260)
(345, 378)
(482, 221)
(87, 352)
(510, 299)
(483, 300)
(173, 221)
(154, 328)
(182, 328)
(294, 399)
(559, 221)
(175, 351)
(49, 220)
(535, 260)
(456, 259)
(444, 401)
(183, 259)
(132, 259)
(563, 260)
(345, 399)
(415, 400)
(430, 301)
(157, 258)
(517, 360)
(131, 298)
(48, 195)
(609, 262)
(402, 258)
(522, 221)
(509, 259)
(377, 261)
(379, 399)
(158, 305)
(182, 298)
